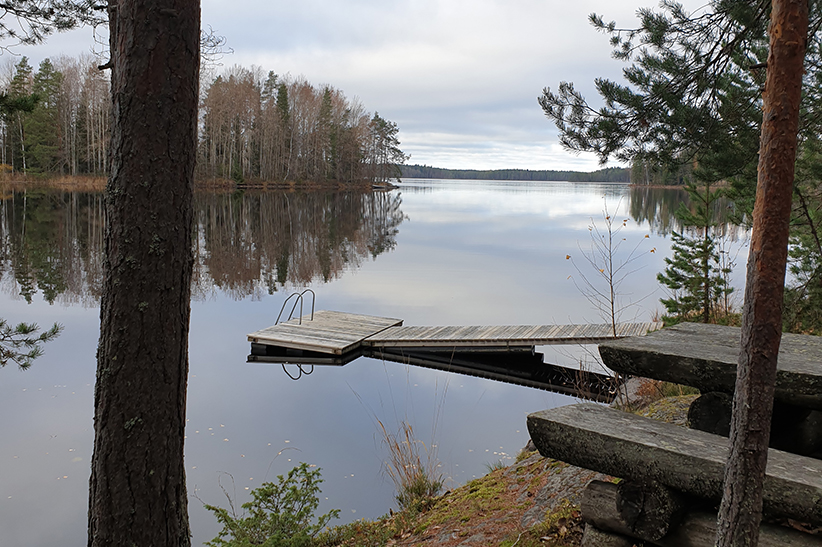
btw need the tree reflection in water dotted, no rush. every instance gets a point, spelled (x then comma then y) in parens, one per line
(246, 243)
(658, 206)
(52, 242)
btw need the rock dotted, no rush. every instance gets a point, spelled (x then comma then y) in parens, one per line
(474, 540)
(565, 486)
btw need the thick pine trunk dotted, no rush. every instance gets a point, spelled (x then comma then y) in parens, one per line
(137, 490)
(741, 508)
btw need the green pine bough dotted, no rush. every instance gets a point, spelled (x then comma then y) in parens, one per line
(21, 344)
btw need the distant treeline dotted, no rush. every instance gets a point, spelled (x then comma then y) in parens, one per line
(609, 174)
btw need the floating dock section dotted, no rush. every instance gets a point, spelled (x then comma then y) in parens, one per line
(329, 332)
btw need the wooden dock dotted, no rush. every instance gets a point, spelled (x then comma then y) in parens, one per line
(337, 333)
(330, 332)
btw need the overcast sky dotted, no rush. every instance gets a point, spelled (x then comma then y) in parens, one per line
(460, 77)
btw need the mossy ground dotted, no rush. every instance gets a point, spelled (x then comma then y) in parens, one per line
(533, 502)
(523, 505)
(486, 511)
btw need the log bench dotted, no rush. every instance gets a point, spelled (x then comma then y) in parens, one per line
(687, 462)
(705, 357)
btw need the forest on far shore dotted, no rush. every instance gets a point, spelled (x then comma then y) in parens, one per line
(55, 121)
(609, 174)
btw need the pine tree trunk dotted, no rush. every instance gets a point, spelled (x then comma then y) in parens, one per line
(741, 508)
(137, 492)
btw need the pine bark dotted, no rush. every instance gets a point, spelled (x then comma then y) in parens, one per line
(137, 492)
(741, 508)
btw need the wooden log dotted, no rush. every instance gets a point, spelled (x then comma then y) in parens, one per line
(695, 528)
(711, 413)
(794, 429)
(633, 447)
(808, 435)
(649, 507)
(698, 529)
(705, 357)
(593, 537)
(642, 509)
(598, 507)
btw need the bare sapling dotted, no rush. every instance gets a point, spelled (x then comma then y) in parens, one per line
(605, 268)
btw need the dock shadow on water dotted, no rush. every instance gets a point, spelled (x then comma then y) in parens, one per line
(520, 366)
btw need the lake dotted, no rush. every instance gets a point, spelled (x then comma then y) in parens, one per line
(432, 253)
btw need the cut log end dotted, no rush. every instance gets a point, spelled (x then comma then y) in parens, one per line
(642, 509)
(594, 537)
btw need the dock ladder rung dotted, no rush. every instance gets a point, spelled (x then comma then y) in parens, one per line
(299, 299)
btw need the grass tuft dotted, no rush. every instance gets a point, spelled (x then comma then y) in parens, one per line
(413, 468)
(495, 466)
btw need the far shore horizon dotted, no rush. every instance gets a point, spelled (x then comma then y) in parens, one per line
(607, 174)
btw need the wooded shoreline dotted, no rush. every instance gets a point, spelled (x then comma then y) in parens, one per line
(98, 184)
(90, 183)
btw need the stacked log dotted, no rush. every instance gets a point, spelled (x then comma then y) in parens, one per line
(794, 429)
(617, 515)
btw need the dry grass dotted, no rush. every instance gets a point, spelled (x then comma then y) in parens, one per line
(18, 182)
(653, 390)
(412, 466)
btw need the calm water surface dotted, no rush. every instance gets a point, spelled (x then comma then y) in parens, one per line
(434, 253)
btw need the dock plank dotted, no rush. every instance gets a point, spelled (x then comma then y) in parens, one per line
(512, 335)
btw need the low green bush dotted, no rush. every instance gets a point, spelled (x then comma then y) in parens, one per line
(280, 514)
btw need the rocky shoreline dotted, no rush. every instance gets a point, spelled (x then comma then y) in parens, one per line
(533, 502)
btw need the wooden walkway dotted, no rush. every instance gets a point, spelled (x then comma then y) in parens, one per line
(337, 333)
(504, 336)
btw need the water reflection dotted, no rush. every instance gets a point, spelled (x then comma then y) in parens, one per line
(247, 244)
(52, 243)
(612, 192)
(254, 243)
(250, 243)
(474, 253)
(658, 206)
